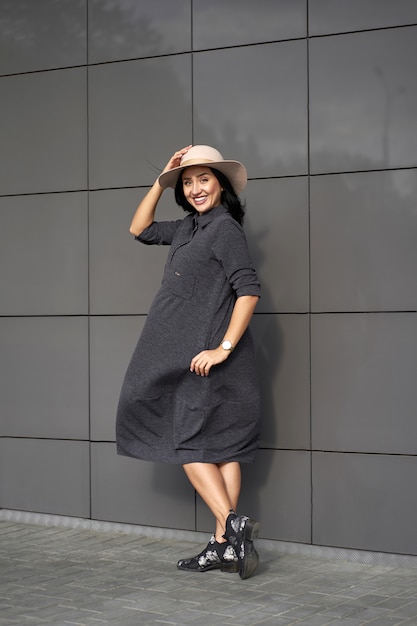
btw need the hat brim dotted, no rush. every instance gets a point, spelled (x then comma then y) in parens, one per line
(234, 170)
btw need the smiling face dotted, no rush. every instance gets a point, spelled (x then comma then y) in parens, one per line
(201, 188)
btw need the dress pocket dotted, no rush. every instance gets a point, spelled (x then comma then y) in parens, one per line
(189, 426)
(180, 284)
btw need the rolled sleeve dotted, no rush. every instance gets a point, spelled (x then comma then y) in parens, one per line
(159, 233)
(231, 250)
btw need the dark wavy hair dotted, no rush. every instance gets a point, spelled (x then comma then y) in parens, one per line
(229, 198)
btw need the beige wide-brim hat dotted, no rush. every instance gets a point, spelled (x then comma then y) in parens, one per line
(206, 155)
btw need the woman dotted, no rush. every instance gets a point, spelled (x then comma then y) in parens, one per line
(190, 394)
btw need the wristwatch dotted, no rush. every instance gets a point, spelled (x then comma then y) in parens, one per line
(227, 345)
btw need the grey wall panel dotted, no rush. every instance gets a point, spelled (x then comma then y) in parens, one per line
(283, 361)
(112, 341)
(277, 223)
(43, 130)
(47, 272)
(124, 274)
(364, 392)
(276, 491)
(262, 120)
(80, 145)
(363, 101)
(127, 30)
(128, 490)
(44, 377)
(365, 501)
(363, 241)
(41, 35)
(133, 129)
(46, 476)
(219, 23)
(328, 16)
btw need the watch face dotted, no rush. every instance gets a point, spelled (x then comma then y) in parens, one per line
(226, 345)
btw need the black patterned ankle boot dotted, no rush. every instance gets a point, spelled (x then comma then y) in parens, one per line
(214, 556)
(240, 533)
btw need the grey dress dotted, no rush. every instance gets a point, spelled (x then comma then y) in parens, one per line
(167, 413)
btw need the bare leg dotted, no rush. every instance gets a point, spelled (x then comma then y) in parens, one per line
(218, 486)
(232, 480)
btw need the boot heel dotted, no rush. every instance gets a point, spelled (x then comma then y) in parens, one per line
(252, 529)
(230, 568)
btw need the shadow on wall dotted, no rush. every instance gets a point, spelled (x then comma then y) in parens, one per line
(269, 347)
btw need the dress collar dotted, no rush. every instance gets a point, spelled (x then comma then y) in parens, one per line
(206, 218)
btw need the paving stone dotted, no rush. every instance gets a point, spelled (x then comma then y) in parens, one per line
(371, 613)
(320, 620)
(275, 621)
(386, 621)
(77, 576)
(408, 610)
(348, 621)
(250, 619)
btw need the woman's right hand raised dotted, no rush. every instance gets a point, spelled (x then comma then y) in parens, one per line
(175, 160)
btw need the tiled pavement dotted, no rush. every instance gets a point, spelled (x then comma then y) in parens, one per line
(60, 574)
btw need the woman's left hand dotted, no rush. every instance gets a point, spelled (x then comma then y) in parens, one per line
(204, 361)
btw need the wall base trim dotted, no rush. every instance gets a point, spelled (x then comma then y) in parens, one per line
(263, 545)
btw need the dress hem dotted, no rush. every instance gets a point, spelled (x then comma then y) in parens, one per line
(191, 458)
